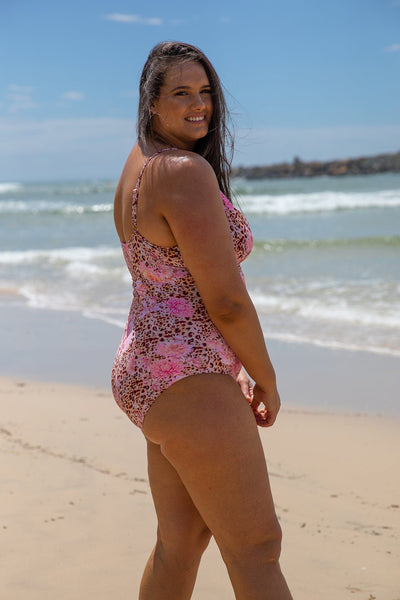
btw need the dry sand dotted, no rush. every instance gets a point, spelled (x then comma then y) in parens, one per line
(76, 516)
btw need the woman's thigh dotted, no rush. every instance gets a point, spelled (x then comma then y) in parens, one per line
(180, 526)
(206, 430)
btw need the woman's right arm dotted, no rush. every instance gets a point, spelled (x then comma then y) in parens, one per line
(188, 198)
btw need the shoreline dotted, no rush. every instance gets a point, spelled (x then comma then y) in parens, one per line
(67, 347)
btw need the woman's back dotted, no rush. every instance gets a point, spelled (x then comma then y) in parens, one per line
(152, 225)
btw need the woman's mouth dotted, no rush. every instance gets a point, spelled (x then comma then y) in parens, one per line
(195, 119)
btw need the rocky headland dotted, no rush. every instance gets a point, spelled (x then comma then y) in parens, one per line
(364, 165)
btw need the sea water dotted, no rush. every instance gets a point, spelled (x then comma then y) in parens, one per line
(325, 268)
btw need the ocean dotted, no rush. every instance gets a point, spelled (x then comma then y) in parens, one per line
(325, 268)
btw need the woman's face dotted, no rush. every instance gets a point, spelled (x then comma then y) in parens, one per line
(182, 113)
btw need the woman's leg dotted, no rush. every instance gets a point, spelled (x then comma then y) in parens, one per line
(207, 431)
(182, 535)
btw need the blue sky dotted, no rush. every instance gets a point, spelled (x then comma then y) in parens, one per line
(311, 78)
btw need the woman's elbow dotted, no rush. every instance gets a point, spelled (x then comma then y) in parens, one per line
(227, 309)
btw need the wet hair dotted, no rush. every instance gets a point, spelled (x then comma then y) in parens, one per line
(217, 146)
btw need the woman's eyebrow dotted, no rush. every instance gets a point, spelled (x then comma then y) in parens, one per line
(187, 87)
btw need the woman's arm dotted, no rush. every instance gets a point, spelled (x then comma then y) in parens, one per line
(187, 195)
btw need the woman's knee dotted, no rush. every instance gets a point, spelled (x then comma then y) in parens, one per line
(259, 549)
(184, 546)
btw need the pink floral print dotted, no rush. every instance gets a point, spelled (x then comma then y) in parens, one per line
(166, 367)
(173, 348)
(179, 307)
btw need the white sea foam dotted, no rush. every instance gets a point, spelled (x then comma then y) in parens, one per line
(318, 201)
(9, 187)
(79, 269)
(279, 204)
(338, 309)
(80, 209)
(50, 299)
(331, 343)
(56, 255)
(104, 316)
(61, 207)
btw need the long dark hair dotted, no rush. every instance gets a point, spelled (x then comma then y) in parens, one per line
(217, 146)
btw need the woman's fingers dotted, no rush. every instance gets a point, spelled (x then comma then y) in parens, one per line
(265, 406)
(245, 385)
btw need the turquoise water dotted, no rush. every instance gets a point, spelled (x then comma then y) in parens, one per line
(325, 268)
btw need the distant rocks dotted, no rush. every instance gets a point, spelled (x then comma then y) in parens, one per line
(365, 165)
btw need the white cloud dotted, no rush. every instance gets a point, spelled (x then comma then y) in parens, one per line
(73, 95)
(123, 18)
(19, 98)
(20, 89)
(392, 48)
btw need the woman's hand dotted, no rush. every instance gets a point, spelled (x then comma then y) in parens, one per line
(265, 406)
(245, 385)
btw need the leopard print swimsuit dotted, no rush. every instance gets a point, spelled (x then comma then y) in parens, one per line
(169, 334)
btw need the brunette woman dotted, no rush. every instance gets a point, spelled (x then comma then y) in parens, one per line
(178, 372)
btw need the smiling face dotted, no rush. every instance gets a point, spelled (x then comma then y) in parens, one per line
(183, 110)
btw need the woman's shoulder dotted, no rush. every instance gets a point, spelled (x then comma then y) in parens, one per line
(178, 167)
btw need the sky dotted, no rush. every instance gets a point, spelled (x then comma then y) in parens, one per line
(309, 78)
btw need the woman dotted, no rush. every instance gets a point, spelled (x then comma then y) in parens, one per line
(190, 327)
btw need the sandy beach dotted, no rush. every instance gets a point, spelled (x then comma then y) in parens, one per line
(76, 516)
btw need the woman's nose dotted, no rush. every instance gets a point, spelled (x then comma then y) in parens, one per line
(198, 102)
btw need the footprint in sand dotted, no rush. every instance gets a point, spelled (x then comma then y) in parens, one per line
(53, 519)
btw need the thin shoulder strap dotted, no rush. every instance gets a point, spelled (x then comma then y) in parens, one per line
(146, 163)
(139, 180)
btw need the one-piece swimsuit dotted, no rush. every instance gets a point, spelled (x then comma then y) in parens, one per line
(169, 334)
